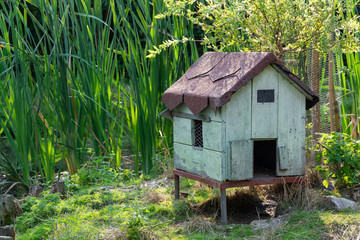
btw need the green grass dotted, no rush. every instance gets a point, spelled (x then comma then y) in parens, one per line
(228, 232)
(129, 209)
(91, 212)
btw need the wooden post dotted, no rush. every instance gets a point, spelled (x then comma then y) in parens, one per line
(331, 93)
(223, 206)
(177, 186)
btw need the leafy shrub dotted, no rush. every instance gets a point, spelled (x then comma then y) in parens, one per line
(339, 158)
(95, 171)
(126, 174)
(134, 226)
(37, 210)
(28, 203)
(98, 171)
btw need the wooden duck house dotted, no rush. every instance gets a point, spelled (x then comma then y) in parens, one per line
(238, 116)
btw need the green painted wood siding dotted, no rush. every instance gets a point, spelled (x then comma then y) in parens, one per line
(217, 117)
(264, 115)
(212, 136)
(208, 160)
(227, 152)
(291, 132)
(241, 157)
(183, 130)
(245, 119)
(237, 118)
(202, 162)
(283, 157)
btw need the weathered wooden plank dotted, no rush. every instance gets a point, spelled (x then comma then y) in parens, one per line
(212, 136)
(242, 183)
(241, 158)
(177, 186)
(182, 130)
(191, 116)
(167, 114)
(212, 133)
(291, 132)
(283, 153)
(237, 118)
(212, 164)
(284, 75)
(223, 207)
(264, 114)
(238, 115)
(206, 112)
(203, 162)
(225, 159)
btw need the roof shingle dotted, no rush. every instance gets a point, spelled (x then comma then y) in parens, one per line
(212, 80)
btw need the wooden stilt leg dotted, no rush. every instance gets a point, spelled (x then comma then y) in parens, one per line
(223, 206)
(177, 186)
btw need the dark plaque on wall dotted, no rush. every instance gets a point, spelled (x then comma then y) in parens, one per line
(265, 96)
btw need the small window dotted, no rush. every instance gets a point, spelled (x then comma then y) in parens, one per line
(264, 96)
(198, 134)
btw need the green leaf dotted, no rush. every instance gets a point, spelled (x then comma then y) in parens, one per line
(325, 183)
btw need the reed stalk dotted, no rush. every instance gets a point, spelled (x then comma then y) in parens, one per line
(75, 81)
(350, 83)
(150, 77)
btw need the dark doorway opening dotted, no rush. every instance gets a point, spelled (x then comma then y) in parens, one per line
(264, 158)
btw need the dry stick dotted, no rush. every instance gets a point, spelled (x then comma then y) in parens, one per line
(285, 190)
(129, 160)
(352, 122)
(11, 187)
(353, 132)
(152, 226)
(40, 219)
(258, 213)
(358, 237)
(101, 144)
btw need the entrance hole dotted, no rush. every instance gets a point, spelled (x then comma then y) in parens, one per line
(264, 158)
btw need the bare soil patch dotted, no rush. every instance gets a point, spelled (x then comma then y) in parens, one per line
(243, 206)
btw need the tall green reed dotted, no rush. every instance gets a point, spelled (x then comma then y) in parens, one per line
(83, 52)
(72, 72)
(20, 120)
(150, 77)
(59, 69)
(349, 70)
(350, 83)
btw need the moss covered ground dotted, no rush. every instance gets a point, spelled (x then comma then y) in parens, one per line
(106, 204)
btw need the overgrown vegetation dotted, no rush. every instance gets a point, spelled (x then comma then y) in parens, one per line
(80, 88)
(271, 26)
(339, 159)
(139, 209)
(76, 83)
(350, 82)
